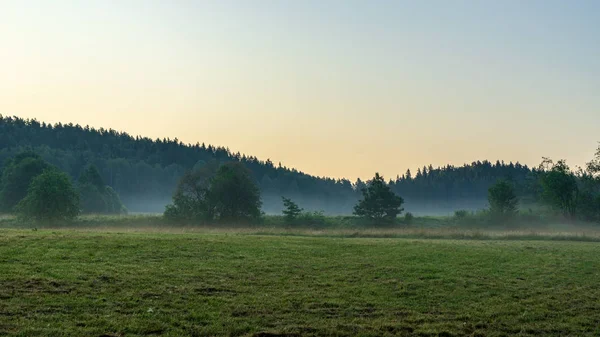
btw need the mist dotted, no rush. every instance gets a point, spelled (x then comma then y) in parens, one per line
(273, 205)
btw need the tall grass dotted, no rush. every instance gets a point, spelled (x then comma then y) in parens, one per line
(461, 227)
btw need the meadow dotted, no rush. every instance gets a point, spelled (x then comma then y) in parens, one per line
(152, 280)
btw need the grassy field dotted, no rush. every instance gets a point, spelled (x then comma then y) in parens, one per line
(111, 282)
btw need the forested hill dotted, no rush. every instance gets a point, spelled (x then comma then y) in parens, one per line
(145, 171)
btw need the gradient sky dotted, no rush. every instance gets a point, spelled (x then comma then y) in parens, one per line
(334, 88)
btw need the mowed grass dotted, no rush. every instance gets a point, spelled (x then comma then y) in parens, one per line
(92, 283)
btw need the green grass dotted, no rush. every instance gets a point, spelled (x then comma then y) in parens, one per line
(202, 282)
(480, 220)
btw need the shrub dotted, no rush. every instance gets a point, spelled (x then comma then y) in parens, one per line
(50, 197)
(461, 214)
(313, 219)
(408, 218)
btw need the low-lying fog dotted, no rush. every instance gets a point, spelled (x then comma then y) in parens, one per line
(272, 205)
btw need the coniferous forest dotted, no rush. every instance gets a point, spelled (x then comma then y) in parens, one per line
(145, 172)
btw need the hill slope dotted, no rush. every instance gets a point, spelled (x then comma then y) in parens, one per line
(145, 171)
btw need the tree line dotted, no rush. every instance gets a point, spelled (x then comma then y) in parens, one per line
(217, 192)
(227, 193)
(142, 168)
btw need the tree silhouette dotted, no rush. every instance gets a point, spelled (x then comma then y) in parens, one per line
(379, 203)
(503, 200)
(50, 197)
(291, 210)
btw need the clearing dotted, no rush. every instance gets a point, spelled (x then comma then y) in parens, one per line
(111, 283)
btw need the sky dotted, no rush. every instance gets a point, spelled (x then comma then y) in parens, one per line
(332, 88)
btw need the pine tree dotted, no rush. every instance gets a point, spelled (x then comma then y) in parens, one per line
(291, 211)
(379, 203)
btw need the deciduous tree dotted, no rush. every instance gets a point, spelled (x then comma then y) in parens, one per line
(234, 194)
(503, 200)
(17, 175)
(50, 197)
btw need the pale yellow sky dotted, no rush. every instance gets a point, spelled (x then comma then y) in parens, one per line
(339, 88)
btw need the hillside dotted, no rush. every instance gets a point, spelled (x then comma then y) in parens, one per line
(145, 171)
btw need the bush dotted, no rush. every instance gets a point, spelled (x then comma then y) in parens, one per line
(461, 214)
(313, 219)
(481, 218)
(186, 209)
(408, 218)
(50, 197)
